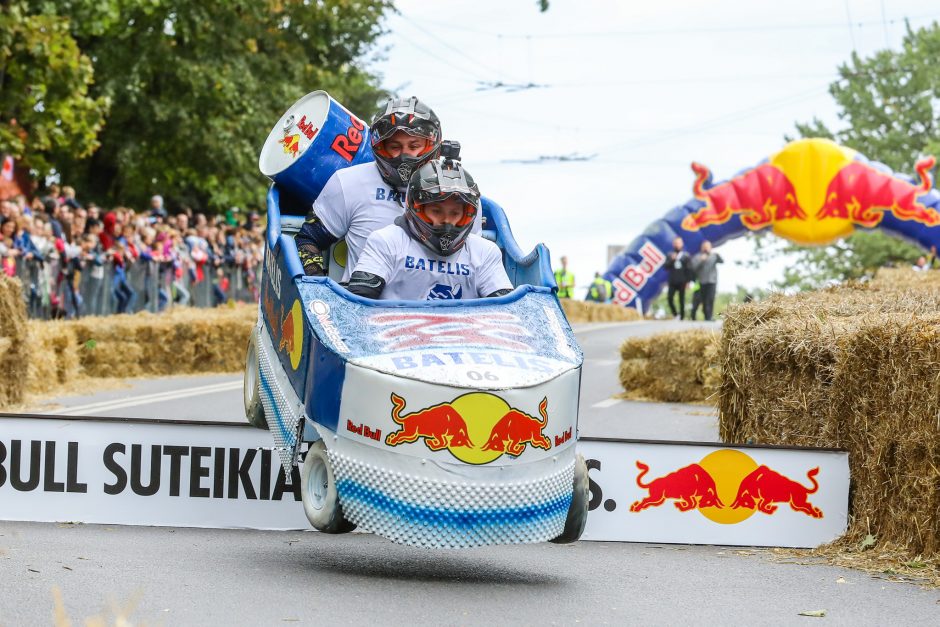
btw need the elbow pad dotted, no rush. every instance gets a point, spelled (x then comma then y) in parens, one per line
(366, 284)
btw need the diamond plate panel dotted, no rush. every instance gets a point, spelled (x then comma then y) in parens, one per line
(282, 408)
(421, 511)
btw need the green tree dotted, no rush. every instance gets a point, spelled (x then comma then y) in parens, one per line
(47, 110)
(888, 103)
(195, 87)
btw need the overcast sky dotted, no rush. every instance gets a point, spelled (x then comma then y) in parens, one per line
(647, 87)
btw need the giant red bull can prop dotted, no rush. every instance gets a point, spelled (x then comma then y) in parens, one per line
(314, 138)
(812, 192)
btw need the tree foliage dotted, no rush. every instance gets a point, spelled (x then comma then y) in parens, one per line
(47, 112)
(891, 113)
(195, 87)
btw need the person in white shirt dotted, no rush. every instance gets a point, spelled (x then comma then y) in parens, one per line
(429, 253)
(363, 198)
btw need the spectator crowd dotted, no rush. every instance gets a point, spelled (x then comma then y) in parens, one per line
(76, 260)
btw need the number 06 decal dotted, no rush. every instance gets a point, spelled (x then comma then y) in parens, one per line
(475, 375)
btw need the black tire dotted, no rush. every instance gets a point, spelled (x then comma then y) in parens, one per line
(254, 409)
(318, 492)
(578, 510)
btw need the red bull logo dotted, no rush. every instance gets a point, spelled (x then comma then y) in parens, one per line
(477, 428)
(292, 334)
(811, 192)
(291, 144)
(727, 486)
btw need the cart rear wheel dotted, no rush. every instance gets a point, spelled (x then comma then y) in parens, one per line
(254, 409)
(318, 492)
(578, 510)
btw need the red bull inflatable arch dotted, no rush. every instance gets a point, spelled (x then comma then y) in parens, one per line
(812, 192)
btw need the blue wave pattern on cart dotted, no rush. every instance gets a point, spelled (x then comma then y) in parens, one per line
(443, 527)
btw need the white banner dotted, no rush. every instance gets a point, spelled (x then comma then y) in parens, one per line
(128, 472)
(713, 494)
(144, 473)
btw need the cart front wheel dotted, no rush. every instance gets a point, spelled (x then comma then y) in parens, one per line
(318, 492)
(254, 410)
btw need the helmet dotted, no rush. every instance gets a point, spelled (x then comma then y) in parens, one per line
(435, 182)
(413, 117)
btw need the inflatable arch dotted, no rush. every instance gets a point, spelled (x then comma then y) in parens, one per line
(812, 192)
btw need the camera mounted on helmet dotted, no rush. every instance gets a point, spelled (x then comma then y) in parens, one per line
(440, 206)
(405, 134)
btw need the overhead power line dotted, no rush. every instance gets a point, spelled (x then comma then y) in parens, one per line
(679, 30)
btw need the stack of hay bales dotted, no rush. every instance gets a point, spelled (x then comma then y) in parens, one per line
(13, 344)
(855, 367)
(583, 311)
(677, 367)
(184, 340)
(60, 352)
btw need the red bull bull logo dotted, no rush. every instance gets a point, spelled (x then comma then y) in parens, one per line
(761, 196)
(292, 334)
(688, 487)
(291, 144)
(727, 486)
(865, 205)
(811, 192)
(516, 429)
(477, 428)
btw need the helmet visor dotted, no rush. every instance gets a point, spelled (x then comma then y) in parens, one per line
(439, 204)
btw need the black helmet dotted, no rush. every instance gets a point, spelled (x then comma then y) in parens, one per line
(435, 182)
(415, 118)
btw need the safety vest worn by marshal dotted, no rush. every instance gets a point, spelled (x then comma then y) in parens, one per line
(565, 281)
(600, 291)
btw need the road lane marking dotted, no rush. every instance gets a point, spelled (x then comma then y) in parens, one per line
(149, 398)
(600, 326)
(607, 402)
(602, 362)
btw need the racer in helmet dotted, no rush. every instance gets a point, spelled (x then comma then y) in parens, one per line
(405, 137)
(429, 253)
(360, 199)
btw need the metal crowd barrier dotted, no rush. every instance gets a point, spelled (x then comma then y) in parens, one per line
(146, 286)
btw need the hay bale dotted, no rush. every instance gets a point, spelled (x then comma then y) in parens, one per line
(582, 311)
(53, 356)
(181, 341)
(13, 348)
(185, 340)
(675, 367)
(856, 367)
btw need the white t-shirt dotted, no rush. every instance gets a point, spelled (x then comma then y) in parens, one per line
(412, 272)
(355, 202)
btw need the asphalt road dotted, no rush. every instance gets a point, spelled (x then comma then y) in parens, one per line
(206, 577)
(230, 577)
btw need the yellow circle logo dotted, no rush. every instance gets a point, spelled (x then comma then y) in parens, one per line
(727, 467)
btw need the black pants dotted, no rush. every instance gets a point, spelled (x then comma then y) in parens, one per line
(696, 303)
(708, 298)
(680, 290)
